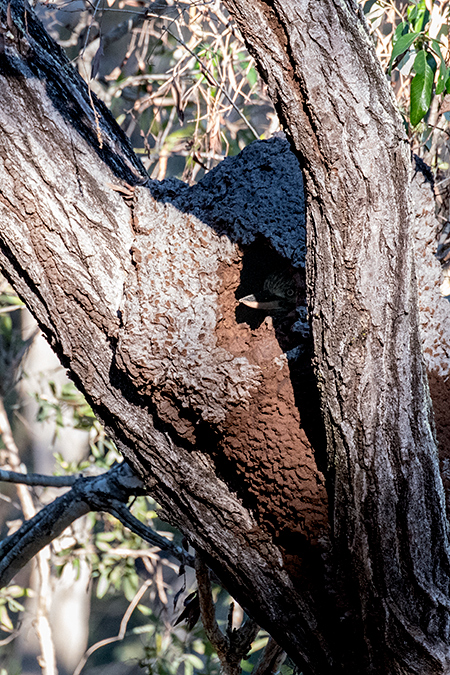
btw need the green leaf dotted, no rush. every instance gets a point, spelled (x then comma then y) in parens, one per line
(441, 83)
(15, 606)
(69, 392)
(103, 585)
(443, 70)
(158, 643)
(16, 591)
(198, 646)
(8, 299)
(195, 661)
(252, 77)
(286, 669)
(130, 585)
(424, 61)
(402, 29)
(5, 620)
(105, 536)
(418, 15)
(146, 611)
(422, 86)
(148, 628)
(401, 46)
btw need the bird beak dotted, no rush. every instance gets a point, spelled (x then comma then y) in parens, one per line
(251, 301)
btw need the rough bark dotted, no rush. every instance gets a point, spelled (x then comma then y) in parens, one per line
(216, 409)
(389, 529)
(131, 294)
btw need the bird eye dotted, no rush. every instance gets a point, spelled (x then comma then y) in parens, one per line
(290, 293)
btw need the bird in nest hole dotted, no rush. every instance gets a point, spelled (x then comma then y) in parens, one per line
(278, 296)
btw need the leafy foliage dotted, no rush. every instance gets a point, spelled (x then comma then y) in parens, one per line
(414, 32)
(412, 43)
(177, 77)
(418, 49)
(9, 603)
(422, 85)
(63, 399)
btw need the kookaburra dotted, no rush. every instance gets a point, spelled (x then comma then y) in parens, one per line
(278, 295)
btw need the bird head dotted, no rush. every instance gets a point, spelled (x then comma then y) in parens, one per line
(278, 295)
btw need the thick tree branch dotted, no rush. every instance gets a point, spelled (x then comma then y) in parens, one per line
(108, 492)
(123, 337)
(217, 411)
(389, 526)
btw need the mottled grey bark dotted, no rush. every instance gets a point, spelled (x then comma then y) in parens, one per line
(130, 293)
(389, 529)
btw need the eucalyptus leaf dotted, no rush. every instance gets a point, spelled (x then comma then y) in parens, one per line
(402, 29)
(443, 70)
(418, 15)
(402, 45)
(421, 86)
(102, 586)
(194, 660)
(442, 80)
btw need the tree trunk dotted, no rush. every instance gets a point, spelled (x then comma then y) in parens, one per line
(214, 406)
(389, 529)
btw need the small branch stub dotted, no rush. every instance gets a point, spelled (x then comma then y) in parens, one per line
(232, 647)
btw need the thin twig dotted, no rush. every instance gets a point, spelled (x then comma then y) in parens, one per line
(207, 610)
(12, 636)
(220, 86)
(232, 647)
(36, 479)
(122, 629)
(122, 513)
